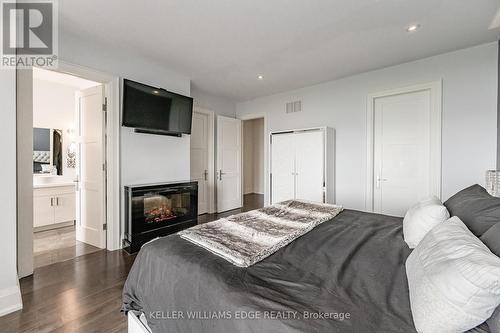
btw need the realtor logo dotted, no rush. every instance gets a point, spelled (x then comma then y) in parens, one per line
(29, 33)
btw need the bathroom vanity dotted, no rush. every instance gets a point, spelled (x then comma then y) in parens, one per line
(54, 201)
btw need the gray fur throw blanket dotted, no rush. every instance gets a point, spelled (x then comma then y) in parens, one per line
(247, 238)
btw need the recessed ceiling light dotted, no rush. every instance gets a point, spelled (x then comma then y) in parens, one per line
(260, 77)
(413, 28)
(156, 92)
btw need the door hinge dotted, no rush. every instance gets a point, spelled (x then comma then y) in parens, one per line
(104, 226)
(105, 167)
(105, 105)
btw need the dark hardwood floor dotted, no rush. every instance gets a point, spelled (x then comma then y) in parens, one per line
(77, 295)
(83, 294)
(250, 202)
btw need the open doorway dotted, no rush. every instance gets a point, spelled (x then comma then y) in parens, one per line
(68, 180)
(253, 163)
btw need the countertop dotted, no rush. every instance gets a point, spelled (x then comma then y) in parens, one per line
(47, 185)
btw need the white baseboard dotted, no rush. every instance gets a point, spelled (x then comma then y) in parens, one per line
(10, 300)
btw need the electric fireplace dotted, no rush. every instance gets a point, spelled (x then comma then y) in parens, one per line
(157, 210)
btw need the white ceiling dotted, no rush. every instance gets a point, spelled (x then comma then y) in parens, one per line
(222, 45)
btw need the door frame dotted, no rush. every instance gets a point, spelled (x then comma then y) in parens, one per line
(24, 112)
(211, 156)
(267, 161)
(435, 89)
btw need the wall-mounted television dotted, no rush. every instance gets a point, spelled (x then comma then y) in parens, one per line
(155, 110)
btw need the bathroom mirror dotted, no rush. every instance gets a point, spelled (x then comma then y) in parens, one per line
(47, 151)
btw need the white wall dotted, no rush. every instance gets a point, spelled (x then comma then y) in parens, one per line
(253, 156)
(220, 105)
(469, 132)
(53, 105)
(9, 291)
(144, 158)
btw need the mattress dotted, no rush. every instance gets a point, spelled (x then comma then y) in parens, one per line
(346, 275)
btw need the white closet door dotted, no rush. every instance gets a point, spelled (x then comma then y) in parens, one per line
(309, 165)
(283, 167)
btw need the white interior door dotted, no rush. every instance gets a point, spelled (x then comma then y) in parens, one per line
(90, 192)
(402, 151)
(229, 178)
(199, 158)
(309, 165)
(282, 167)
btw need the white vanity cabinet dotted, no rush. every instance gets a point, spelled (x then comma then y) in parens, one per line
(53, 205)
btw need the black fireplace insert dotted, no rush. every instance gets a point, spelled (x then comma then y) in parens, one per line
(155, 210)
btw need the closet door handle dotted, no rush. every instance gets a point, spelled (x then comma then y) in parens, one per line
(51, 202)
(379, 180)
(57, 201)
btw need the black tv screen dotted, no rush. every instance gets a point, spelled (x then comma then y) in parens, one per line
(155, 110)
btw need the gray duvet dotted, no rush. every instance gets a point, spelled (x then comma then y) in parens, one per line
(346, 275)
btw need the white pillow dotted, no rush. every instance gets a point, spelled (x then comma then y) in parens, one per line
(421, 218)
(454, 280)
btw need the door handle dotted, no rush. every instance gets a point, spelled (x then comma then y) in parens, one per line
(379, 180)
(51, 202)
(205, 174)
(57, 201)
(220, 174)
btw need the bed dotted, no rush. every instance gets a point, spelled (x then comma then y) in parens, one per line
(346, 275)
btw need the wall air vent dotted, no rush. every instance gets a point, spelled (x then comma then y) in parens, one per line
(292, 107)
